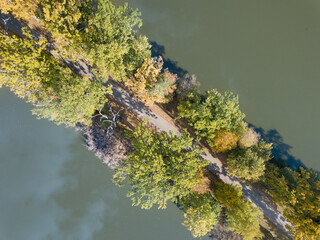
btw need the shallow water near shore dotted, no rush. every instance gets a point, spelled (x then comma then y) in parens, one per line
(268, 52)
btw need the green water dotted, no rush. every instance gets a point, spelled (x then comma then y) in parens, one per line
(268, 52)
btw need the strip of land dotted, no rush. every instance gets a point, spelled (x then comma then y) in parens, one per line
(163, 122)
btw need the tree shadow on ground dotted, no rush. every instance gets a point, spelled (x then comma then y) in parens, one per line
(280, 150)
(159, 50)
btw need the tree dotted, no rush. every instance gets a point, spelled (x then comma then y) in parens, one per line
(161, 167)
(228, 195)
(58, 94)
(204, 184)
(304, 209)
(21, 9)
(103, 33)
(299, 194)
(277, 185)
(224, 141)
(201, 212)
(249, 163)
(248, 137)
(244, 219)
(212, 112)
(149, 84)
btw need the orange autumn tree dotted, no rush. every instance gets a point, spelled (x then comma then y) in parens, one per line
(149, 84)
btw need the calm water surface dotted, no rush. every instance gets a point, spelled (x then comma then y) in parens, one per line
(53, 188)
(268, 52)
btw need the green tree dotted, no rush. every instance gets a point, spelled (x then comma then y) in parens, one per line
(103, 33)
(304, 209)
(299, 194)
(201, 212)
(212, 112)
(276, 184)
(224, 141)
(58, 94)
(228, 195)
(249, 163)
(161, 167)
(244, 219)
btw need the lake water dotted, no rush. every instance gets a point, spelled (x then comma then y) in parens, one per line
(53, 188)
(268, 52)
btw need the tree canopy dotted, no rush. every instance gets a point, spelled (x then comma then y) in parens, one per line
(299, 193)
(201, 212)
(244, 219)
(21, 9)
(212, 112)
(249, 163)
(103, 33)
(149, 84)
(57, 93)
(161, 167)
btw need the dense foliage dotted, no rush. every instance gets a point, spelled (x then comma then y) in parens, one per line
(242, 217)
(201, 212)
(210, 113)
(21, 9)
(58, 94)
(224, 141)
(149, 84)
(299, 193)
(103, 33)
(161, 167)
(228, 195)
(249, 163)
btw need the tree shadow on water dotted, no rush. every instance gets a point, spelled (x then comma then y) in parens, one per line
(280, 150)
(159, 50)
